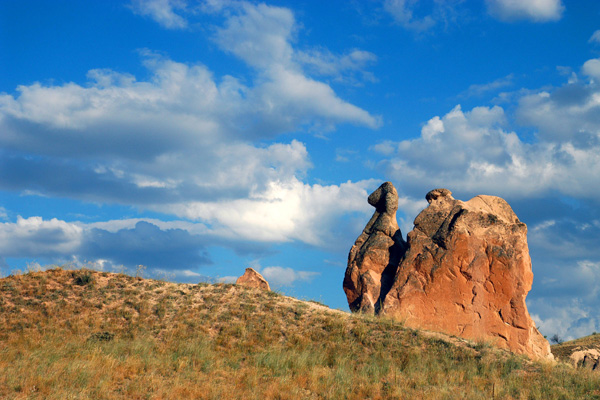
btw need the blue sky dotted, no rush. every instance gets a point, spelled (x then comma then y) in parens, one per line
(201, 137)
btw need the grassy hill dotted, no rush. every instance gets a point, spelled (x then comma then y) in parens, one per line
(94, 335)
(563, 350)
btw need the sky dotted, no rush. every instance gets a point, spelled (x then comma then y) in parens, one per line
(198, 138)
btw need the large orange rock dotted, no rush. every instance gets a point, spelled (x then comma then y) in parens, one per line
(253, 279)
(466, 272)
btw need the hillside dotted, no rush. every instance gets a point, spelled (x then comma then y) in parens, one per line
(563, 351)
(94, 335)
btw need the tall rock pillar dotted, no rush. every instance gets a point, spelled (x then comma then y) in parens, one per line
(374, 258)
(465, 271)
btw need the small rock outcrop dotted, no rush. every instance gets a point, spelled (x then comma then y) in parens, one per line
(465, 270)
(587, 358)
(374, 258)
(253, 279)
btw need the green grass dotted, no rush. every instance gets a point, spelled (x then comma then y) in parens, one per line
(120, 337)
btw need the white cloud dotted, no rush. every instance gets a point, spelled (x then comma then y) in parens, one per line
(567, 114)
(568, 318)
(485, 156)
(534, 10)
(114, 226)
(422, 16)
(591, 68)
(346, 68)
(189, 143)
(481, 89)
(409, 208)
(474, 152)
(129, 243)
(566, 239)
(403, 13)
(344, 155)
(546, 176)
(286, 211)
(32, 237)
(291, 211)
(182, 105)
(261, 36)
(567, 297)
(164, 12)
(595, 38)
(280, 276)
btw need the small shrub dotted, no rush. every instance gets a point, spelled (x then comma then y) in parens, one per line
(160, 310)
(101, 337)
(556, 339)
(83, 277)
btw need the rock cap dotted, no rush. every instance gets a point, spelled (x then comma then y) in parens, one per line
(253, 279)
(437, 193)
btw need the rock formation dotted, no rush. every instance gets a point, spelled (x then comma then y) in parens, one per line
(587, 358)
(253, 279)
(465, 271)
(374, 258)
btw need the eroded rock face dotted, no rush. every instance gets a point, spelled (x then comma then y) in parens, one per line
(465, 271)
(587, 358)
(253, 279)
(374, 258)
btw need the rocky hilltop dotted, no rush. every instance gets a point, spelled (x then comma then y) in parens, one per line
(465, 270)
(81, 334)
(253, 279)
(581, 353)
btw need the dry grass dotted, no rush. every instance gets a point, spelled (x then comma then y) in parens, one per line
(92, 335)
(563, 350)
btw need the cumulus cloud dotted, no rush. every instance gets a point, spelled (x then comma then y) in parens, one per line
(127, 243)
(568, 318)
(280, 276)
(187, 142)
(146, 244)
(261, 36)
(595, 38)
(476, 152)
(286, 211)
(564, 239)
(185, 100)
(486, 155)
(536, 11)
(592, 69)
(565, 295)
(566, 266)
(164, 12)
(567, 114)
(35, 237)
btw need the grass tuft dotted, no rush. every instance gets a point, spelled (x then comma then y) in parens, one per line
(83, 277)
